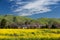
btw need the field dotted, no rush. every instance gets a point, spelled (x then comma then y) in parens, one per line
(29, 34)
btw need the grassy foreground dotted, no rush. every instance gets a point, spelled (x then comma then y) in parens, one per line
(29, 34)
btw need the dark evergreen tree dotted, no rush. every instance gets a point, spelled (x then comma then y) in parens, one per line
(3, 23)
(53, 26)
(46, 26)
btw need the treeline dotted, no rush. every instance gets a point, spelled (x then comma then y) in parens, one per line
(19, 22)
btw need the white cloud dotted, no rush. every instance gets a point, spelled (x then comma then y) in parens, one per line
(34, 7)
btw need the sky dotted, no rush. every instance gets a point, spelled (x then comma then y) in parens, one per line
(31, 8)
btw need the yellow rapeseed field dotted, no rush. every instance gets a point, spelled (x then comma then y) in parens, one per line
(30, 33)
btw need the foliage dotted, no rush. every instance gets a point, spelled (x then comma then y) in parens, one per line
(20, 21)
(3, 23)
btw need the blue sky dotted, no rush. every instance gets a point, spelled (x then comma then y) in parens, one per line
(31, 8)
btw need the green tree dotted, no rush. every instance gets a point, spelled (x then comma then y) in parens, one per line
(3, 23)
(14, 19)
(53, 26)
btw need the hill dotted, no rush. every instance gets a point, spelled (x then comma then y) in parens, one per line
(10, 21)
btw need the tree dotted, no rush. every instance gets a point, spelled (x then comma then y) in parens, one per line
(3, 23)
(46, 26)
(14, 19)
(53, 26)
